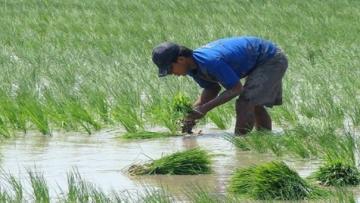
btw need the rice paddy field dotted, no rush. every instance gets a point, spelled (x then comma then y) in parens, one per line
(80, 102)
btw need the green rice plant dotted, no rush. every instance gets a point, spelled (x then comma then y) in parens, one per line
(10, 111)
(11, 189)
(4, 196)
(128, 118)
(81, 191)
(161, 112)
(110, 61)
(147, 135)
(220, 117)
(337, 147)
(344, 196)
(81, 116)
(355, 115)
(39, 187)
(98, 102)
(304, 141)
(16, 187)
(154, 196)
(259, 141)
(337, 173)
(32, 109)
(188, 162)
(4, 130)
(57, 111)
(271, 181)
(199, 194)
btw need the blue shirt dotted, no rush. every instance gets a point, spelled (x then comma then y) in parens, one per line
(227, 60)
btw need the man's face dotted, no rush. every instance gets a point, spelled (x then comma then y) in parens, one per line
(180, 66)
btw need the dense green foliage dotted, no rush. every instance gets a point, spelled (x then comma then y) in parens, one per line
(188, 162)
(338, 173)
(85, 65)
(271, 181)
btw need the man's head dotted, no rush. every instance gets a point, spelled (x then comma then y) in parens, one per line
(172, 58)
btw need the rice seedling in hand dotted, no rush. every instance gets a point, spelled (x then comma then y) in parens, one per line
(270, 181)
(181, 103)
(189, 162)
(337, 173)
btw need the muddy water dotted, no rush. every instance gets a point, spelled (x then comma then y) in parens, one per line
(102, 159)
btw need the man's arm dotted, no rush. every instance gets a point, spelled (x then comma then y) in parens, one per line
(207, 95)
(224, 97)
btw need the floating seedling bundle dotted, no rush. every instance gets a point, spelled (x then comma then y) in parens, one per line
(190, 162)
(271, 181)
(338, 173)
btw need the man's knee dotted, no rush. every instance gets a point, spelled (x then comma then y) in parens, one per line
(260, 110)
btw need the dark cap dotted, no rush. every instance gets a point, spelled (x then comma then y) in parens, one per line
(164, 55)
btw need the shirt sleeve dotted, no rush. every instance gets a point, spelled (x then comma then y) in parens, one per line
(224, 74)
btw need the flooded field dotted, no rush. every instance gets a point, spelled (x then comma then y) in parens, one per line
(103, 159)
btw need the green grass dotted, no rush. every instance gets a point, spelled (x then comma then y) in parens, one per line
(85, 65)
(189, 162)
(271, 181)
(146, 135)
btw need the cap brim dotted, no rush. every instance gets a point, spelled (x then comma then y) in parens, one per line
(164, 71)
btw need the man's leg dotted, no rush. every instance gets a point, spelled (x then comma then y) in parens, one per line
(245, 117)
(262, 118)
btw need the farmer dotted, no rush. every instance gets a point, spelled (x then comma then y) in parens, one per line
(224, 62)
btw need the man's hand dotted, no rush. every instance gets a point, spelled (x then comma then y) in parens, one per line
(187, 125)
(196, 113)
(190, 120)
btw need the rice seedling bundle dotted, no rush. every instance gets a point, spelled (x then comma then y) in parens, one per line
(270, 181)
(338, 173)
(189, 162)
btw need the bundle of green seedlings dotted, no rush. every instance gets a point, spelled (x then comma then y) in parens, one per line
(337, 173)
(272, 181)
(189, 162)
(339, 168)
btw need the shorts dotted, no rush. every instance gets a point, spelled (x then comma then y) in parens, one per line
(263, 85)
